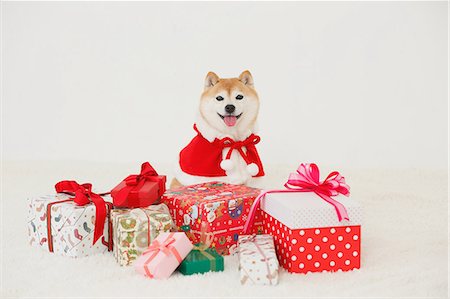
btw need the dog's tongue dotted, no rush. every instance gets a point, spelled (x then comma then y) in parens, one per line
(230, 120)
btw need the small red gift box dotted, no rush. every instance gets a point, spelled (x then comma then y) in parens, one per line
(315, 226)
(223, 208)
(139, 190)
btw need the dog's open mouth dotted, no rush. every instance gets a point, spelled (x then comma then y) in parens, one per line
(230, 120)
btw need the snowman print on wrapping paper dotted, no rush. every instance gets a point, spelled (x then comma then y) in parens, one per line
(210, 209)
(191, 216)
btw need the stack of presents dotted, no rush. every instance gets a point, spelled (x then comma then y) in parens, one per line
(309, 226)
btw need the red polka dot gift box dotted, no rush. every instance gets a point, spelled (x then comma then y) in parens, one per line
(223, 208)
(314, 230)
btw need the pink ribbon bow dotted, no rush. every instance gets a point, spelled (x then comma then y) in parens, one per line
(165, 247)
(307, 179)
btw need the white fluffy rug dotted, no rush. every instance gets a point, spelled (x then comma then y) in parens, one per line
(404, 242)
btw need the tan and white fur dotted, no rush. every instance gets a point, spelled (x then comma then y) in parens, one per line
(211, 123)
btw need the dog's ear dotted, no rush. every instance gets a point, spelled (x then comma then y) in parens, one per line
(246, 78)
(211, 80)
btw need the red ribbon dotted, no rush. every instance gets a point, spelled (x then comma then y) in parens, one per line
(238, 145)
(147, 172)
(136, 182)
(307, 179)
(83, 195)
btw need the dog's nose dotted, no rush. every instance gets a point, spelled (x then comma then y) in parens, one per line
(230, 108)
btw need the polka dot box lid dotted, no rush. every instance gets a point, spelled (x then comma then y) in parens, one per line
(308, 210)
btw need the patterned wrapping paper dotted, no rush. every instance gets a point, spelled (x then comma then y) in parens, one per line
(201, 260)
(72, 226)
(164, 255)
(223, 207)
(258, 262)
(135, 229)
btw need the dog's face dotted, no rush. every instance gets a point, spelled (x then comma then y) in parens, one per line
(229, 104)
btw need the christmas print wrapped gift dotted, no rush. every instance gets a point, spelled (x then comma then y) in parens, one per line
(202, 258)
(139, 190)
(134, 229)
(258, 262)
(223, 207)
(73, 224)
(164, 255)
(316, 227)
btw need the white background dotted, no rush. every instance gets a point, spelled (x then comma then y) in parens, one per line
(90, 90)
(343, 84)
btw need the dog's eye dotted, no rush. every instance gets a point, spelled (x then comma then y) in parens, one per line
(219, 98)
(239, 97)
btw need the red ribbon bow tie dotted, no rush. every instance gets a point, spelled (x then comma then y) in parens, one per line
(237, 145)
(147, 172)
(229, 142)
(83, 195)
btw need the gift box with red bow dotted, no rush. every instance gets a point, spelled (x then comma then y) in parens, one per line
(164, 255)
(139, 190)
(258, 262)
(135, 229)
(73, 222)
(315, 225)
(222, 207)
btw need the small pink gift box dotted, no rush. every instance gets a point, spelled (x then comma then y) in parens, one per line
(164, 255)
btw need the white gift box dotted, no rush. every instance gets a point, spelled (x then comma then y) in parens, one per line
(72, 226)
(258, 262)
(308, 210)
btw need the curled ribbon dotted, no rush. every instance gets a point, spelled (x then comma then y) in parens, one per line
(83, 195)
(307, 179)
(136, 182)
(156, 247)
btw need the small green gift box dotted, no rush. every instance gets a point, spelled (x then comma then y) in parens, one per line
(201, 260)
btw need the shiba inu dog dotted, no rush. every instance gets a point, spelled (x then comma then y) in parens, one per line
(224, 148)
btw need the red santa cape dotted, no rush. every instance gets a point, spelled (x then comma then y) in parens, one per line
(203, 158)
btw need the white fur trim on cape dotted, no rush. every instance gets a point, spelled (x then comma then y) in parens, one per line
(188, 179)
